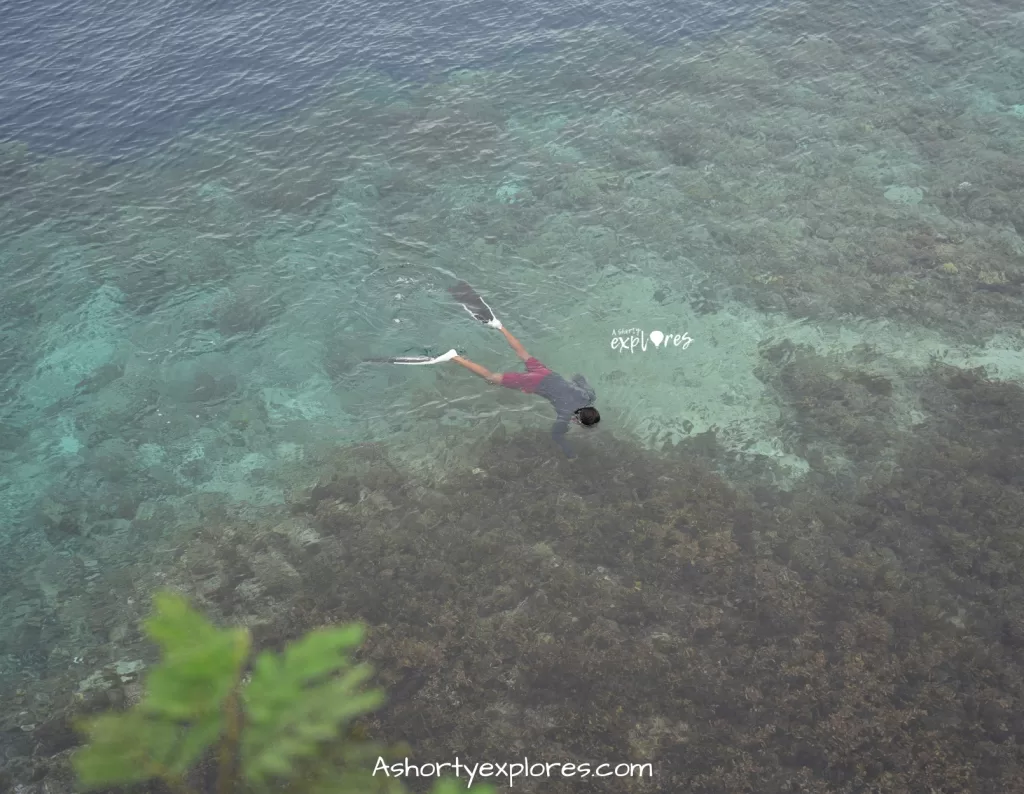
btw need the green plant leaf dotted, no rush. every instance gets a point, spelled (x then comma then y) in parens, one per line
(181, 713)
(200, 666)
(193, 684)
(125, 748)
(298, 707)
(301, 699)
(321, 652)
(194, 741)
(175, 626)
(452, 785)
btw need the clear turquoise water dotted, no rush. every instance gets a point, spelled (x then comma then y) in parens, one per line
(191, 282)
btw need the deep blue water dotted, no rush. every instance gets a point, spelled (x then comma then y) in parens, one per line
(115, 77)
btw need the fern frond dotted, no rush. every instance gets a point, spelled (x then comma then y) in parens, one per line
(297, 701)
(181, 714)
(289, 725)
(132, 748)
(201, 664)
(450, 785)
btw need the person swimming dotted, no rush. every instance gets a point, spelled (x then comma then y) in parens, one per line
(572, 399)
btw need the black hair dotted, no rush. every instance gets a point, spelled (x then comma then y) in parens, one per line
(588, 416)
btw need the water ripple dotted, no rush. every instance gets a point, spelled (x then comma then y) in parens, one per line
(111, 77)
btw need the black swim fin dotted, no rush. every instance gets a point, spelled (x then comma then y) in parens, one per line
(472, 302)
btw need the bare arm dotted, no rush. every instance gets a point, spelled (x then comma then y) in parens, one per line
(520, 350)
(484, 373)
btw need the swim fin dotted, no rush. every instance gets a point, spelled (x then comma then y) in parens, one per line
(472, 302)
(414, 360)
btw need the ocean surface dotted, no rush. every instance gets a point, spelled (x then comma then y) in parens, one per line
(107, 80)
(783, 242)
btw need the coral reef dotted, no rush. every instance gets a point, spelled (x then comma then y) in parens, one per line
(629, 606)
(859, 631)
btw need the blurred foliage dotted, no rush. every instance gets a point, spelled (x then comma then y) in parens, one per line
(284, 725)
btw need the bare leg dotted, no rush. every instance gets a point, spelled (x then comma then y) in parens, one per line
(520, 350)
(484, 373)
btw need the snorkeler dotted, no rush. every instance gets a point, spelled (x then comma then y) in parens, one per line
(572, 399)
